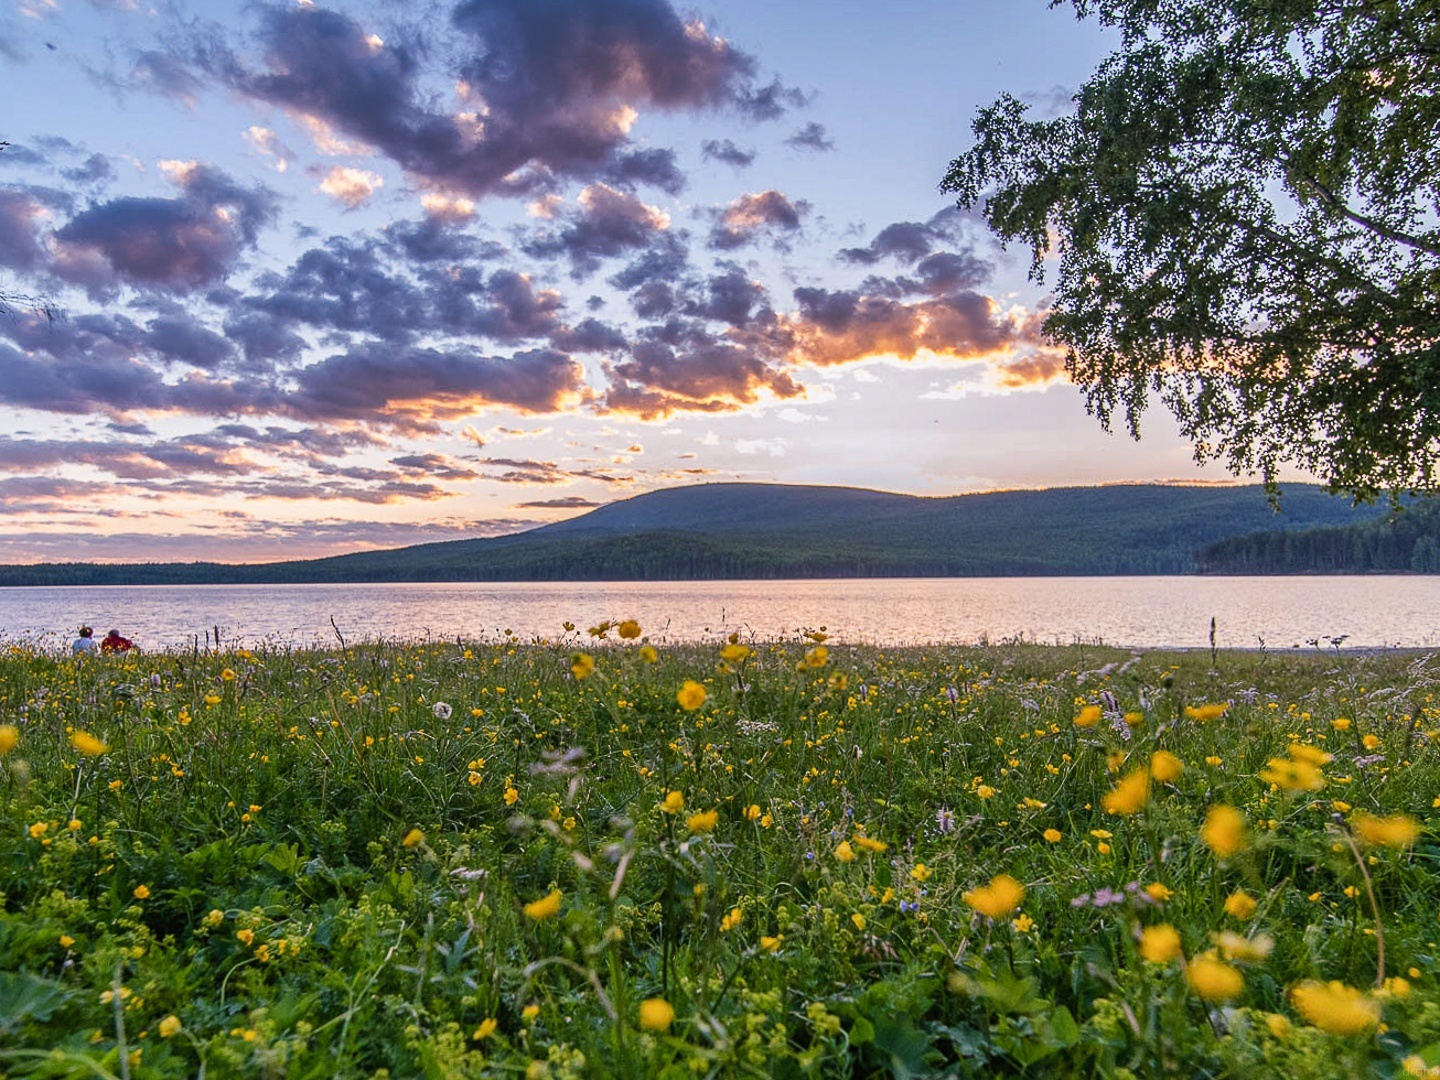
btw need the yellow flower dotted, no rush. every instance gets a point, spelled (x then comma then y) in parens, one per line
(673, 802)
(9, 736)
(1165, 767)
(1399, 831)
(770, 944)
(1341, 723)
(997, 899)
(985, 791)
(1205, 713)
(582, 665)
(1370, 741)
(817, 657)
(732, 920)
(868, 844)
(844, 852)
(486, 1029)
(1214, 761)
(1052, 836)
(629, 629)
(1240, 904)
(39, 829)
(734, 653)
(1224, 830)
(214, 918)
(87, 744)
(649, 654)
(1130, 795)
(245, 937)
(1311, 755)
(545, 907)
(1023, 924)
(227, 675)
(1250, 950)
(859, 921)
(1293, 775)
(66, 941)
(413, 838)
(142, 892)
(921, 873)
(752, 812)
(1157, 891)
(1214, 980)
(702, 822)
(1134, 719)
(690, 696)
(1336, 1008)
(530, 1012)
(1160, 944)
(511, 795)
(1278, 1025)
(656, 1014)
(170, 1027)
(1089, 716)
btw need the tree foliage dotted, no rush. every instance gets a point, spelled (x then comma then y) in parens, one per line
(1245, 205)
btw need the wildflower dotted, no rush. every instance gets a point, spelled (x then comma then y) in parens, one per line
(245, 937)
(9, 736)
(1251, 950)
(545, 907)
(214, 918)
(582, 665)
(735, 653)
(649, 654)
(1399, 831)
(1023, 924)
(877, 846)
(1128, 796)
(486, 1029)
(629, 629)
(1160, 944)
(673, 802)
(1240, 904)
(1206, 713)
(1279, 1026)
(87, 744)
(656, 1014)
(1158, 892)
(921, 873)
(1052, 836)
(170, 1026)
(945, 820)
(771, 944)
(1134, 719)
(690, 696)
(1214, 761)
(817, 657)
(752, 812)
(1165, 767)
(227, 675)
(997, 899)
(529, 1013)
(731, 920)
(66, 941)
(1293, 775)
(442, 710)
(1336, 1008)
(844, 852)
(1371, 741)
(413, 838)
(1214, 980)
(511, 795)
(39, 829)
(142, 892)
(1224, 830)
(985, 791)
(1089, 716)
(1311, 755)
(702, 822)
(1341, 723)
(859, 921)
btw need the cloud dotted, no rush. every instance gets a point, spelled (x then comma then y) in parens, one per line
(268, 144)
(22, 218)
(569, 502)
(546, 89)
(726, 151)
(658, 380)
(176, 245)
(607, 224)
(811, 137)
(752, 214)
(350, 186)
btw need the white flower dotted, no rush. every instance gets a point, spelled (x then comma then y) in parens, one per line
(442, 711)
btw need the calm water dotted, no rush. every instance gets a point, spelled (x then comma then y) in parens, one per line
(1145, 611)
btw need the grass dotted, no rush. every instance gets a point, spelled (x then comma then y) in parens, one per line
(496, 858)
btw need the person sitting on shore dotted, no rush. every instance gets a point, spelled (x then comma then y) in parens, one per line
(114, 643)
(85, 644)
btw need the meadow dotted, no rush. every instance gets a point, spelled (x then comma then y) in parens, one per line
(599, 856)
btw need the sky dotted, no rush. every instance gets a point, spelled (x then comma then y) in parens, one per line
(337, 278)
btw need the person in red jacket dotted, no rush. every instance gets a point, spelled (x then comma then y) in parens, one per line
(113, 642)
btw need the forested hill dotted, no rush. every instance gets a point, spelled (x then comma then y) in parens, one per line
(784, 531)
(1405, 542)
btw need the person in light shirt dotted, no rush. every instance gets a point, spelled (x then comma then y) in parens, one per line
(85, 644)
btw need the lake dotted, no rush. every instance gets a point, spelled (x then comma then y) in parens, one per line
(1281, 612)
